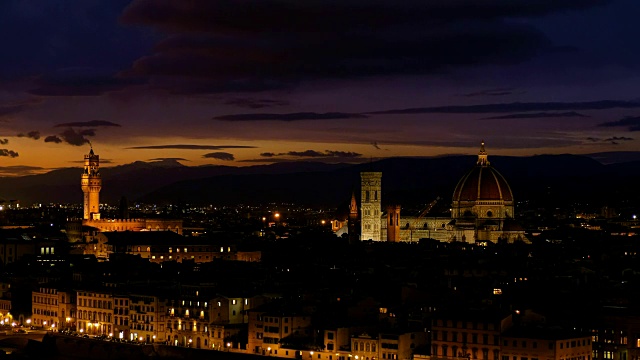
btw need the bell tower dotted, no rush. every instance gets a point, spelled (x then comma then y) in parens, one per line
(370, 205)
(91, 184)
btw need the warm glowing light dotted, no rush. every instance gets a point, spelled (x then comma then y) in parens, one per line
(68, 319)
(277, 215)
(228, 344)
(81, 330)
(269, 348)
(190, 341)
(311, 353)
(28, 321)
(110, 334)
(44, 323)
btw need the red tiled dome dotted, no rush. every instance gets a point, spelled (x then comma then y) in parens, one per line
(482, 183)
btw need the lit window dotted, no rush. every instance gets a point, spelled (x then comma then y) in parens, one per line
(219, 303)
(170, 249)
(246, 301)
(221, 249)
(185, 249)
(177, 249)
(233, 301)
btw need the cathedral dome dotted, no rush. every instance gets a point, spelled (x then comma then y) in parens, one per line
(482, 183)
(482, 186)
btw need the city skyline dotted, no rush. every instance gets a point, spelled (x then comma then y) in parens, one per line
(239, 84)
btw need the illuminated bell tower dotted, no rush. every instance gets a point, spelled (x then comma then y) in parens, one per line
(91, 185)
(370, 205)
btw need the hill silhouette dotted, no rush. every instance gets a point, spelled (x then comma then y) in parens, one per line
(406, 181)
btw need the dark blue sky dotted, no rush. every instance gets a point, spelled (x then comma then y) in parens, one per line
(241, 82)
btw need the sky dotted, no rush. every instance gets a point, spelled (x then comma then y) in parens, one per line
(238, 82)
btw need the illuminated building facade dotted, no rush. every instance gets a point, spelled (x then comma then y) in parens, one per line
(53, 309)
(95, 312)
(91, 184)
(482, 211)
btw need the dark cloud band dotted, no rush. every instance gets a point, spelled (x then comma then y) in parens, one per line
(191, 147)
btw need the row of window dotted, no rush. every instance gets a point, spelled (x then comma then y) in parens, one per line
(465, 324)
(464, 337)
(45, 300)
(454, 351)
(100, 304)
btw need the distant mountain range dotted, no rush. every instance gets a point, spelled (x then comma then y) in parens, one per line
(407, 181)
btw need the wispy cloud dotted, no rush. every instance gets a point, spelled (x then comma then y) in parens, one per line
(536, 115)
(167, 159)
(632, 123)
(52, 139)
(516, 107)
(19, 170)
(493, 92)
(314, 154)
(251, 103)
(92, 123)
(301, 116)
(191, 147)
(225, 156)
(8, 153)
(35, 135)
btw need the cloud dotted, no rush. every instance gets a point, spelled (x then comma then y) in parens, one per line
(632, 123)
(165, 159)
(71, 137)
(192, 147)
(536, 115)
(6, 110)
(92, 123)
(220, 156)
(217, 46)
(618, 138)
(4, 141)
(251, 103)
(290, 117)
(19, 170)
(493, 92)
(314, 154)
(516, 107)
(614, 140)
(81, 82)
(53, 139)
(87, 132)
(35, 135)
(8, 153)
(102, 161)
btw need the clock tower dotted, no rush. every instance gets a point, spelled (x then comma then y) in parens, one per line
(91, 184)
(370, 205)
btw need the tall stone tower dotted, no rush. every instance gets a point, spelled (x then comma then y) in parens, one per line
(353, 220)
(393, 223)
(370, 205)
(91, 185)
